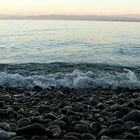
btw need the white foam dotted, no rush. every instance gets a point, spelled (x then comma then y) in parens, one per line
(76, 79)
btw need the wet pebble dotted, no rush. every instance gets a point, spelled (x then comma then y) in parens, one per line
(6, 135)
(33, 129)
(23, 122)
(83, 128)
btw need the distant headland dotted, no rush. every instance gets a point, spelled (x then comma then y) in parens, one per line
(124, 18)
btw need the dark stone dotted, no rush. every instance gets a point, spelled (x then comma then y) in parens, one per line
(128, 136)
(137, 137)
(43, 109)
(95, 127)
(51, 116)
(59, 122)
(33, 129)
(118, 121)
(16, 107)
(87, 136)
(37, 88)
(136, 101)
(23, 122)
(83, 128)
(135, 130)
(12, 126)
(100, 106)
(104, 137)
(108, 114)
(92, 101)
(4, 113)
(6, 135)
(101, 133)
(2, 104)
(131, 105)
(18, 138)
(36, 137)
(128, 125)
(114, 130)
(132, 116)
(115, 107)
(6, 98)
(110, 102)
(36, 120)
(70, 138)
(56, 131)
(73, 118)
(125, 110)
(76, 134)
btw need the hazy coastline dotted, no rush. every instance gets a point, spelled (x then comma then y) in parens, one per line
(123, 18)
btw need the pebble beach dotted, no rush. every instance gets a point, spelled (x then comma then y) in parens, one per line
(69, 114)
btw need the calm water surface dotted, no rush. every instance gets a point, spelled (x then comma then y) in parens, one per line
(25, 41)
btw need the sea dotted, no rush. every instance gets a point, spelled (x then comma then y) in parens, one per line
(70, 53)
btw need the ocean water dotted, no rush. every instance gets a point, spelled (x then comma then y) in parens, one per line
(77, 54)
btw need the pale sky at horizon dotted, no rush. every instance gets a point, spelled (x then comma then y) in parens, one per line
(69, 7)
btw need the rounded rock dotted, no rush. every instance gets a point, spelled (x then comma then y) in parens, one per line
(132, 116)
(23, 122)
(70, 138)
(127, 136)
(6, 135)
(95, 127)
(18, 138)
(83, 128)
(87, 136)
(33, 129)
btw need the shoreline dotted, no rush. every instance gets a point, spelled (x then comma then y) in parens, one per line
(64, 113)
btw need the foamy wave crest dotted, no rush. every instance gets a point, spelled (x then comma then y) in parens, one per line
(77, 79)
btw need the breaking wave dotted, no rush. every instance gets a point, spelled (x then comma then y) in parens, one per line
(76, 79)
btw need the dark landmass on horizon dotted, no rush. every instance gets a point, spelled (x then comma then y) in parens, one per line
(129, 18)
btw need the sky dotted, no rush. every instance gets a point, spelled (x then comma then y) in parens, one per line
(69, 7)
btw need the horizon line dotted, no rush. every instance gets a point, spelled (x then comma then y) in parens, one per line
(127, 18)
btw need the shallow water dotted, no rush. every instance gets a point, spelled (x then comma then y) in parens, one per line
(78, 76)
(45, 41)
(93, 54)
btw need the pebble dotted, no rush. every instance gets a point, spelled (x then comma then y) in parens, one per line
(73, 118)
(50, 116)
(115, 107)
(135, 130)
(132, 116)
(82, 128)
(59, 122)
(76, 134)
(87, 136)
(2, 104)
(127, 135)
(95, 127)
(6, 98)
(114, 129)
(43, 109)
(56, 131)
(37, 88)
(23, 122)
(6, 135)
(105, 138)
(18, 138)
(33, 129)
(128, 125)
(100, 105)
(70, 138)
(54, 114)
(3, 124)
(4, 113)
